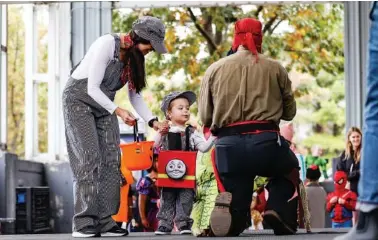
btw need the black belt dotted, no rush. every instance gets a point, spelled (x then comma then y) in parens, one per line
(245, 128)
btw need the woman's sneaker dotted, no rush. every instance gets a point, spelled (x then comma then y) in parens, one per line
(86, 232)
(115, 231)
(163, 231)
(185, 230)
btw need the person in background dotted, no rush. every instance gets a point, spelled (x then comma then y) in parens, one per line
(316, 196)
(350, 161)
(148, 197)
(316, 158)
(341, 202)
(287, 131)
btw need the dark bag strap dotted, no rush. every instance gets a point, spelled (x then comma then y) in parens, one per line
(136, 132)
(187, 137)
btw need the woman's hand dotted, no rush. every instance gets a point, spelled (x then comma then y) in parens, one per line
(126, 116)
(162, 127)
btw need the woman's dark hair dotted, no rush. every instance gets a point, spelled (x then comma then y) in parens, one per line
(136, 59)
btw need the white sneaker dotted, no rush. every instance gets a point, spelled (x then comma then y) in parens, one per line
(86, 232)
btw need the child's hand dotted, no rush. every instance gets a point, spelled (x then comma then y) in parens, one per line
(341, 201)
(333, 200)
(162, 127)
(158, 203)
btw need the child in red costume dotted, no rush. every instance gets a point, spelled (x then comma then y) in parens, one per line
(341, 203)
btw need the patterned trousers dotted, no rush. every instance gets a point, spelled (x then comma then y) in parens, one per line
(94, 155)
(175, 206)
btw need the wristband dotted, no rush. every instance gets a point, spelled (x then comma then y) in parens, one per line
(151, 122)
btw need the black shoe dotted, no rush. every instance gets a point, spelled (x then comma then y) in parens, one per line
(277, 223)
(366, 228)
(185, 230)
(86, 232)
(115, 232)
(163, 231)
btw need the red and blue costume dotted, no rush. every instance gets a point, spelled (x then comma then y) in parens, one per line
(341, 203)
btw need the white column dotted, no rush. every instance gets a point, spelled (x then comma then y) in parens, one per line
(53, 82)
(30, 102)
(3, 74)
(64, 35)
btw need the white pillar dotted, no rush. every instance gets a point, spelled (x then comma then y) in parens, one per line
(53, 83)
(3, 73)
(31, 129)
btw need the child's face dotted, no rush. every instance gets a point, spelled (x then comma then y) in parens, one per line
(179, 112)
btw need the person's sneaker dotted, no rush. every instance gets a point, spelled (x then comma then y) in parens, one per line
(366, 227)
(86, 232)
(115, 231)
(185, 230)
(163, 231)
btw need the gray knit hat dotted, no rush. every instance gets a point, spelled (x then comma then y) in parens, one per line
(152, 29)
(191, 96)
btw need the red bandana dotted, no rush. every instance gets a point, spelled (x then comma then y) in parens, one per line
(248, 33)
(126, 74)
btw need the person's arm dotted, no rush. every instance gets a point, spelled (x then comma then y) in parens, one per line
(158, 140)
(103, 53)
(140, 105)
(330, 205)
(205, 100)
(351, 201)
(289, 104)
(200, 143)
(142, 206)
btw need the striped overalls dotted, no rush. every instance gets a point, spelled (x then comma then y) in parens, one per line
(92, 136)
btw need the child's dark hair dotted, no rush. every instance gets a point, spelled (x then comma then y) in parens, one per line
(313, 173)
(136, 59)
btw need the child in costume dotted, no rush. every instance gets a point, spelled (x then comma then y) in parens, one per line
(147, 202)
(341, 203)
(315, 158)
(317, 197)
(176, 203)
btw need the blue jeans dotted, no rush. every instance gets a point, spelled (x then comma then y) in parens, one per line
(368, 185)
(346, 224)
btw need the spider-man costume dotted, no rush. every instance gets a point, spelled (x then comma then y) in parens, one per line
(341, 202)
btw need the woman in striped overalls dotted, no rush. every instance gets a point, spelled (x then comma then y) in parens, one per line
(91, 124)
